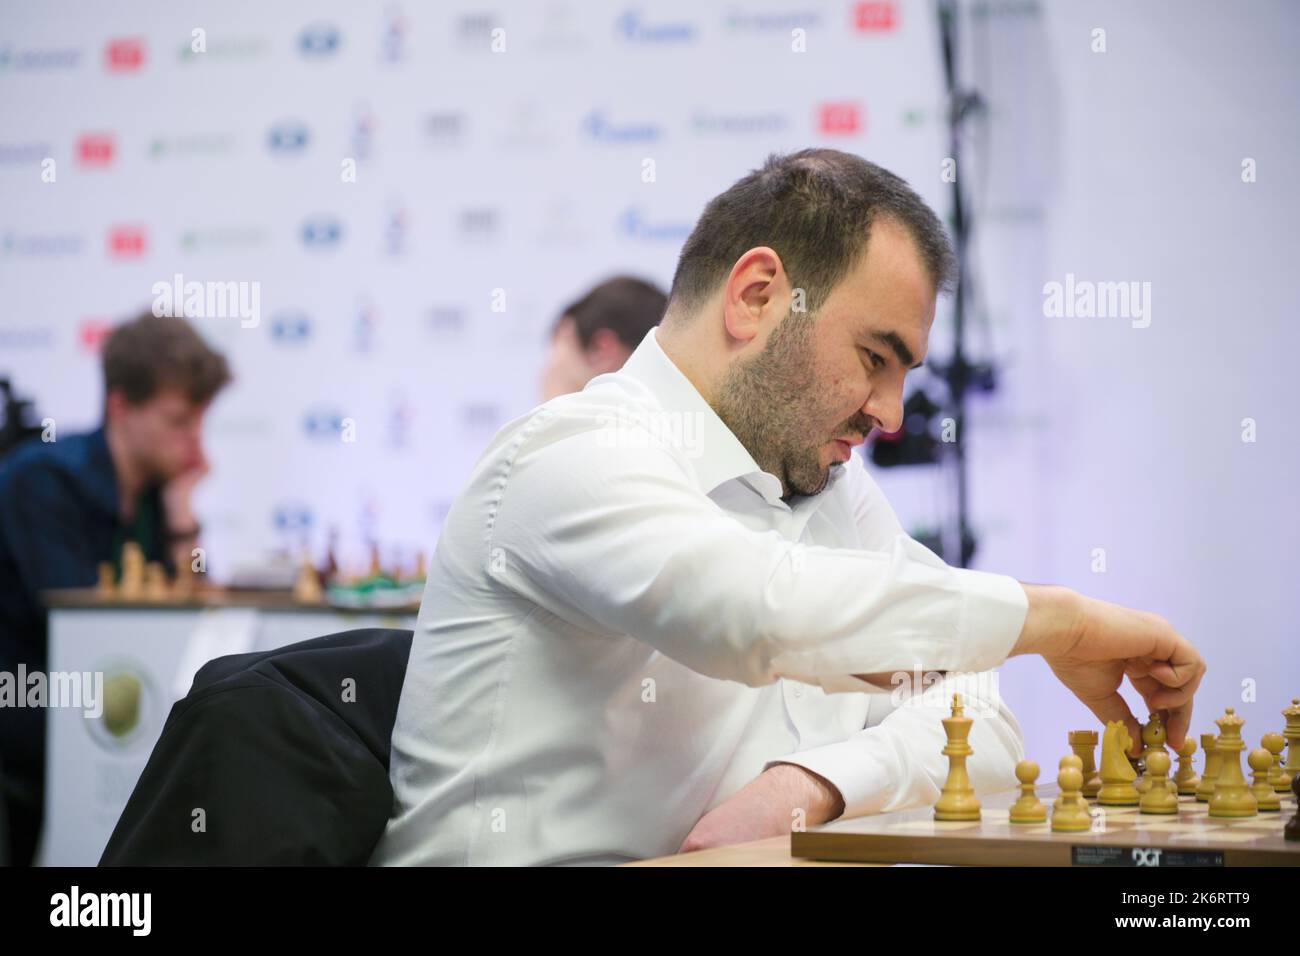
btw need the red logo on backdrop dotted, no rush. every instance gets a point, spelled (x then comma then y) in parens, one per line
(124, 55)
(839, 119)
(92, 332)
(127, 242)
(875, 17)
(96, 149)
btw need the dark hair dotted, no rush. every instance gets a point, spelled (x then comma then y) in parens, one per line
(150, 352)
(815, 208)
(628, 307)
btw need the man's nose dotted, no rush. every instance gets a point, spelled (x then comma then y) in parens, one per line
(886, 407)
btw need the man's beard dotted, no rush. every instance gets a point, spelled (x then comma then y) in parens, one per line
(773, 404)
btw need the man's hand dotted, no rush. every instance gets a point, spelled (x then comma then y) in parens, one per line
(176, 495)
(765, 807)
(1090, 645)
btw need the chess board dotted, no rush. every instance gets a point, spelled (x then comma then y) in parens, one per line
(1120, 836)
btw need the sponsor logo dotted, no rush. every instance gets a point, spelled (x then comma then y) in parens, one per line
(127, 242)
(96, 149)
(319, 41)
(124, 55)
(288, 137)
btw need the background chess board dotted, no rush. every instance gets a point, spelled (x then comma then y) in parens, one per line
(1121, 836)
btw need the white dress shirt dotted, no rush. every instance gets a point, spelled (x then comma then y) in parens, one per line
(624, 624)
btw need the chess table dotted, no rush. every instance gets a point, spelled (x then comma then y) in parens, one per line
(1120, 836)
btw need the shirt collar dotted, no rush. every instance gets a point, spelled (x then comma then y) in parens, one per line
(717, 454)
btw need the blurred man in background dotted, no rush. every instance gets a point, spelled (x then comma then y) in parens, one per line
(70, 503)
(597, 333)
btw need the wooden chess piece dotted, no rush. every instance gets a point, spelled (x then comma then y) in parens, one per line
(1213, 761)
(1292, 829)
(131, 584)
(1232, 798)
(1153, 737)
(957, 801)
(1160, 797)
(156, 582)
(1028, 809)
(306, 588)
(183, 585)
(1070, 811)
(1117, 773)
(1084, 745)
(1273, 742)
(1185, 780)
(106, 588)
(1292, 735)
(1261, 761)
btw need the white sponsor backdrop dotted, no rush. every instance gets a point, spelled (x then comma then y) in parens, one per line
(518, 176)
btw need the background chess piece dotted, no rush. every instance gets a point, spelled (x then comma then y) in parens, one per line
(1185, 780)
(1160, 796)
(183, 585)
(1028, 809)
(155, 581)
(106, 589)
(1117, 773)
(1273, 742)
(1070, 811)
(957, 802)
(1084, 745)
(1292, 829)
(1232, 798)
(131, 585)
(1153, 739)
(1213, 760)
(1261, 762)
(306, 588)
(1292, 735)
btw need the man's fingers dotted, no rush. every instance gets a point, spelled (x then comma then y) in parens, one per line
(1180, 719)
(1116, 707)
(1174, 675)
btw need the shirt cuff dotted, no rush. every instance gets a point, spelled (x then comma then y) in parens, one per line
(862, 780)
(993, 613)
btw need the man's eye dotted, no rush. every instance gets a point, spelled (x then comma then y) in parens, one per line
(877, 360)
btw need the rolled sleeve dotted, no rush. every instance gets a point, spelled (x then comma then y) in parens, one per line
(899, 762)
(993, 614)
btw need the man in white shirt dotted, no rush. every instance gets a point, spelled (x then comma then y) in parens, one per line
(673, 610)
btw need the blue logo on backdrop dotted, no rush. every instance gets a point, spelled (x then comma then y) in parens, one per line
(632, 28)
(289, 327)
(322, 422)
(288, 137)
(319, 40)
(38, 58)
(291, 516)
(322, 232)
(24, 152)
(635, 226)
(599, 127)
(392, 39)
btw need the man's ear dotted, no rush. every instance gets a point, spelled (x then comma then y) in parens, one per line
(756, 295)
(606, 351)
(114, 405)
